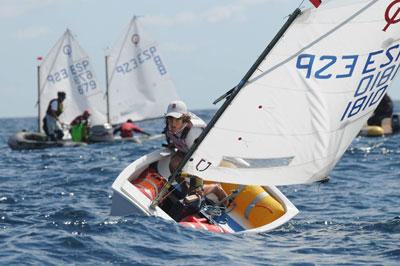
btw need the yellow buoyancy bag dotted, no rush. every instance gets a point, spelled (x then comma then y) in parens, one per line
(253, 203)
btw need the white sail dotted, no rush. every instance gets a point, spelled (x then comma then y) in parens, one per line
(67, 68)
(300, 110)
(139, 86)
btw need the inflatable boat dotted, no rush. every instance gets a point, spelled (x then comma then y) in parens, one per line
(101, 133)
(251, 208)
(25, 140)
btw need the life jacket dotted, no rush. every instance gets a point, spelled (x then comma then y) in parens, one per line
(60, 107)
(183, 140)
(127, 130)
(178, 140)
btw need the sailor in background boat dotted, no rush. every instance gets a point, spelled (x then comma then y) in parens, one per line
(384, 110)
(128, 128)
(51, 122)
(180, 134)
(80, 127)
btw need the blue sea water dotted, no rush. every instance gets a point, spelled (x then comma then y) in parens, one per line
(55, 204)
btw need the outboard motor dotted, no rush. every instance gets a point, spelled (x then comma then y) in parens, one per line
(101, 133)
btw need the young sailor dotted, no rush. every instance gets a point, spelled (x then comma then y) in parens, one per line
(80, 127)
(51, 121)
(181, 132)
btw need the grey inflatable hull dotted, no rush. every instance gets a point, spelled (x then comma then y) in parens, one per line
(33, 140)
(101, 133)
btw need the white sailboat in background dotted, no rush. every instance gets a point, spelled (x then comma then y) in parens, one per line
(139, 85)
(288, 121)
(67, 68)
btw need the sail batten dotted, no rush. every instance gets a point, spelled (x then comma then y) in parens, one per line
(306, 100)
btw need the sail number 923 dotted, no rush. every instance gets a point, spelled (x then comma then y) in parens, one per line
(140, 59)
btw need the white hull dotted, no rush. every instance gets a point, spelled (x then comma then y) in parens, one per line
(139, 138)
(128, 199)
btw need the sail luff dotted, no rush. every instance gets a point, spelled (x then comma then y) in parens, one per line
(126, 35)
(38, 95)
(59, 43)
(107, 90)
(42, 86)
(230, 98)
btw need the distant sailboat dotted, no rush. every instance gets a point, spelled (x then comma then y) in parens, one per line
(288, 121)
(139, 85)
(65, 68)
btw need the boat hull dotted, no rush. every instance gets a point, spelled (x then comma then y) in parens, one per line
(101, 133)
(254, 209)
(24, 140)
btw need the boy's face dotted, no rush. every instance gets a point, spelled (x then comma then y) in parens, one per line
(175, 124)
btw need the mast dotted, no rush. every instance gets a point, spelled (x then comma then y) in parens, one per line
(107, 91)
(38, 89)
(230, 95)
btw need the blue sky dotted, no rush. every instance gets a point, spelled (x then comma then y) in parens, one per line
(207, 45)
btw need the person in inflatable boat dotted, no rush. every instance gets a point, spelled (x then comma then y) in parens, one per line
(82, 120)
(51, 121)
(180, 134)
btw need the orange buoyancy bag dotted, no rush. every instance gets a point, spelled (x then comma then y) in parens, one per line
(150, 183)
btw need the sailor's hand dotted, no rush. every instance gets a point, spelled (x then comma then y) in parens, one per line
(191, 198)
(64, 125)
(169, 146)
(199, 191)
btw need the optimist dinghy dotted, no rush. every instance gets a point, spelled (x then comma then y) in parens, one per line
(299, 106)
(253, 208)
(138, 83)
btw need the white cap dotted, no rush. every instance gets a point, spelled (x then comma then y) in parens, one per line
(176, 109)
